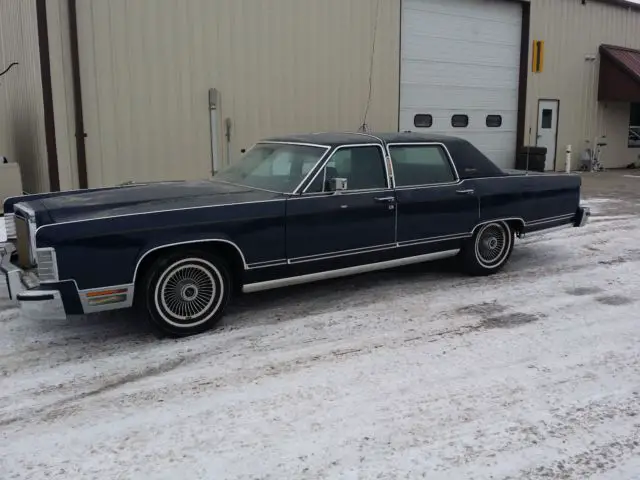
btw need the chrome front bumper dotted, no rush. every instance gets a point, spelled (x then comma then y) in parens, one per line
(35, 303)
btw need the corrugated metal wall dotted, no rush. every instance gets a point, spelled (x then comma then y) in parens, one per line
(571, 31)
(22, 136)
(281, 66)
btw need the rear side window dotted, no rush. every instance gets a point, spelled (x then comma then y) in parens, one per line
(421, 165)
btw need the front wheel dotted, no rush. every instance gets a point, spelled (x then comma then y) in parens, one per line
(186, 293)
(488, 250)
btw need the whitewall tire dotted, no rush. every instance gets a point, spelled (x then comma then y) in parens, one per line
(186, 292)
(489, 248)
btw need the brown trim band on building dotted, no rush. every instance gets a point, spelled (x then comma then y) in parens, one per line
(81, 151)
(47, 96)
(524, 74)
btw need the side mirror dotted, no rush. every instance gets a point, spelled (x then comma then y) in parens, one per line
(337, 184)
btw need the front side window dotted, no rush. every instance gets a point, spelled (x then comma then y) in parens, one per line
(634, 126)
(270, 166)
(421, 165)
(362, 167)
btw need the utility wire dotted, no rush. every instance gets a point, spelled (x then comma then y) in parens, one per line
(364, 127)
(8, 68)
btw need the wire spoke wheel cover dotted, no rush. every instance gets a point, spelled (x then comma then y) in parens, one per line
(492, 244)
(189, 292)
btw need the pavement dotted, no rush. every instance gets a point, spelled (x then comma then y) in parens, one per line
(418, 372)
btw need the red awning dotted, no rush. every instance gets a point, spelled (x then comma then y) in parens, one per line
(619, 74)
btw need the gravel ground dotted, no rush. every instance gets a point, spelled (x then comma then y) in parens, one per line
(418, 372)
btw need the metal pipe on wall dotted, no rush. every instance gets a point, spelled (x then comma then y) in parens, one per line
(214, 101)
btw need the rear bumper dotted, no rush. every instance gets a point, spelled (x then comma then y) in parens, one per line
(41, 302)
(582, 216)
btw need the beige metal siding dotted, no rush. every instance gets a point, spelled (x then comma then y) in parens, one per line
(572, 31)
(22, 137)
(280, 66)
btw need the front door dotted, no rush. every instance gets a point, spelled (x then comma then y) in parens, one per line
(547, 130)
(350, 225)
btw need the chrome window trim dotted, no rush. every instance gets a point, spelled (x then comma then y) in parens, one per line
(326, 149)
(282, 142)
(457, 179)
(310, 195)
(342, 147)
(365, 134)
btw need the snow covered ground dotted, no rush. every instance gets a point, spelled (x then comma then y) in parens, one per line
(420, 372)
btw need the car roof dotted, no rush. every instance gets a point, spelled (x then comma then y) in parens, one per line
(334, 139)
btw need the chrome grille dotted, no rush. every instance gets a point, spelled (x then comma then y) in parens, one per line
(23, 242)
(47, 265)
(10, 225)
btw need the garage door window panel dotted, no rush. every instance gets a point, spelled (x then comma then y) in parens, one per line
(421, 165)
(423, 120)
(460, 121)
(494, 121)
(363, 167)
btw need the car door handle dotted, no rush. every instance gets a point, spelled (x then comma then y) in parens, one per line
(468, 191)
(385, 199)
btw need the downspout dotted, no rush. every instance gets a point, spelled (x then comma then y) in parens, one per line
(81, 150)
(47, 96)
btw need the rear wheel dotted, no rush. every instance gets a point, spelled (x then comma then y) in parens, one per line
(186, 292)
(489, 249)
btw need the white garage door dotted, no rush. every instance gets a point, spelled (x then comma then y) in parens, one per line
(460, 66)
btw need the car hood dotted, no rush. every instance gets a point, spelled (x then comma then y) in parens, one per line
(144, 198)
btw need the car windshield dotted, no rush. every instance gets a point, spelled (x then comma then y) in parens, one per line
(272, 166)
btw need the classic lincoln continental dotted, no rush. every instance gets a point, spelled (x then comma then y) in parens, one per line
(293, 209)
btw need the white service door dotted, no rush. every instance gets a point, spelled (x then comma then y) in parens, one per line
(462, 58)
(547, 130)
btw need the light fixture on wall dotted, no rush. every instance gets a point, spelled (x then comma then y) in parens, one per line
(590, 58)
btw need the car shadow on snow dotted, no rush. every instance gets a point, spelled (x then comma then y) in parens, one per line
(280, 305)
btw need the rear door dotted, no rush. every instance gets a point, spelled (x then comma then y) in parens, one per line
(433, 205)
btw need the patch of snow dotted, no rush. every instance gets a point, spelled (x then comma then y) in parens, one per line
(531, 373)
